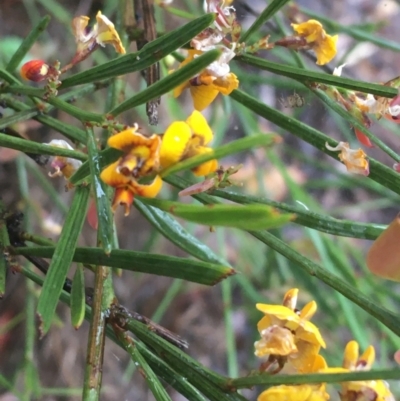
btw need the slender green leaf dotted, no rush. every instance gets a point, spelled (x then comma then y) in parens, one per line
(239, 145)
(275, 380)
(74, 111)
(63, 254)
(78, 297)
(176, 380)
(71, 132)
(303, 75)
(38, 148)
(152, 381)
(27, 43)
(17, 117)
(378, 172)
(148, 55)
(268, 13)
(9, 78)
(172, 230)
(251, 217)
(106, 157)
(162, 265)
(317, 221)
(103, 205)
(168, 83)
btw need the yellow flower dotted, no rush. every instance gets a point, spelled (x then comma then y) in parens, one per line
(63, 166)
(354, 160)
(88, 40)
(303, 392)
(141, 158)
(288, 336)
(215, 79)
(184, 139)
(377, 390)
(317, 39)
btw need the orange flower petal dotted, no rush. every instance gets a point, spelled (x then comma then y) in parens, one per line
(149, 190)
(112, 177)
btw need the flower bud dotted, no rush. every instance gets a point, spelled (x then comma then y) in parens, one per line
(35, 70)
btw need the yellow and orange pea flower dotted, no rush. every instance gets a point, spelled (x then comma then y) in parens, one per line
(205, 87)
(144, 156)
(377, 390)
(303, 392)
(140, 158)
(184, 139)
(354, 159)
(288, 336)
(323, 45)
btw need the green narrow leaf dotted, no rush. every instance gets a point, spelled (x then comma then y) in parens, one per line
(62, 258)
(77, 112)
(172, 230)
(275, 380)
(316, 221)
(168, 83)
(17, 117)
(148, 55)
(9, 78)
(152, 381)
(71, 132)
(103, 205)
(38, 148)
(106, 157)
(378, 172)
(27, 43)
(162, 369)
(303, 75)
(239, 145)
(268, 13)
(143, 262)
(78, 298)
(250, 217)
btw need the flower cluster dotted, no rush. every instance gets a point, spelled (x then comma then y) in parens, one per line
(216, 78)
(144, 157)
(289, 340)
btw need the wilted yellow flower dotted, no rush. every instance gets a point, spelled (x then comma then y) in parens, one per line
(324, 45)
(287, 335)
(376, 390)
(184, 139)
(354, 160)
(88, 40)
(63, 166)
(215, 79)
(141, 158)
